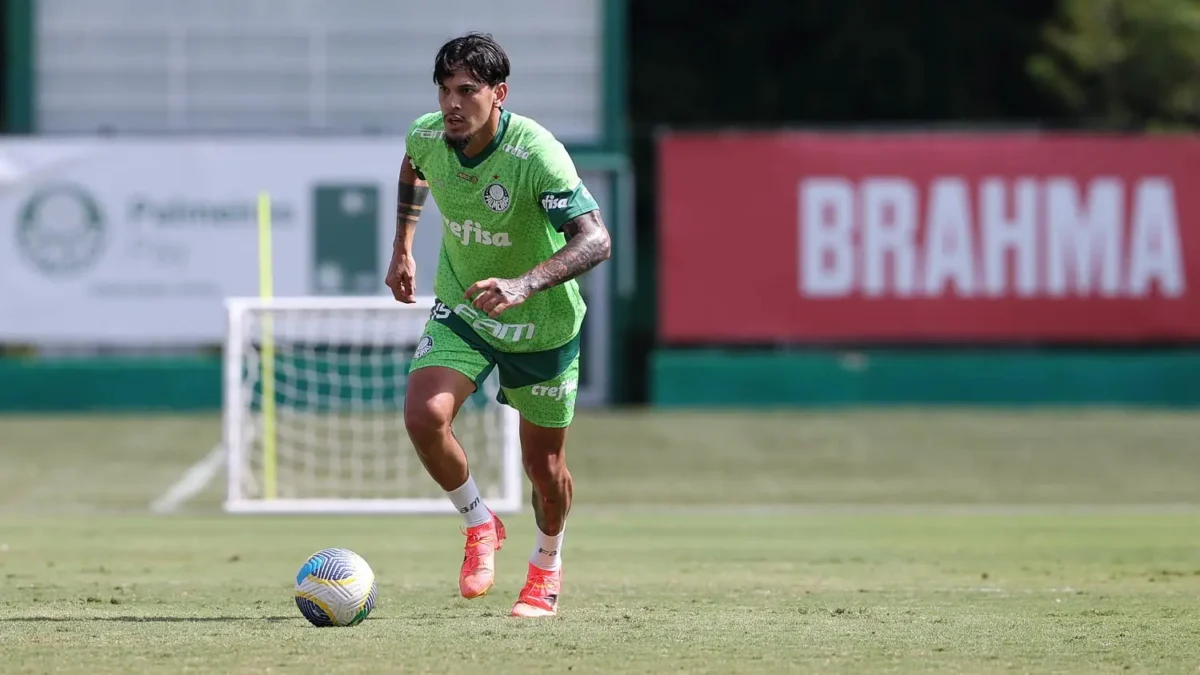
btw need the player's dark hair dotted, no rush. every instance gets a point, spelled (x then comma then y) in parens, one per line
(477, 54)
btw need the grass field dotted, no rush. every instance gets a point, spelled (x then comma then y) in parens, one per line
(901, 541)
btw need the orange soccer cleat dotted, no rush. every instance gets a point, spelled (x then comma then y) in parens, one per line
(539, 598)
(479, 558)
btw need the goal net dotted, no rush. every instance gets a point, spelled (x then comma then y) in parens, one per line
(314, 411)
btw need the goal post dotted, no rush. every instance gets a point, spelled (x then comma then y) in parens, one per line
(338, 368)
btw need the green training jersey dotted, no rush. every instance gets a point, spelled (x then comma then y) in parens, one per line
(502, 214)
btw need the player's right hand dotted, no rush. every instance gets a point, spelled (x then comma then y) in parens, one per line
(402, 277)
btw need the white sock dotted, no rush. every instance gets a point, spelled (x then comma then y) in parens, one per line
(467, 500)
(547, 552)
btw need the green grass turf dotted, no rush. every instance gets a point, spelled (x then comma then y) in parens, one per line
(902, 541)
(92, 464)
(643, 593)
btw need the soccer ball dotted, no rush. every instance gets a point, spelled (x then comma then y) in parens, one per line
(335, 587)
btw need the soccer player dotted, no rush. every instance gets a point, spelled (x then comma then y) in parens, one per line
(518, 228)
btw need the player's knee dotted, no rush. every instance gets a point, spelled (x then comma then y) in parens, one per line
(546, 470)
(427, 420)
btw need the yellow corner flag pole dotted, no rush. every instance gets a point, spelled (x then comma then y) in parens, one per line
(266, 291)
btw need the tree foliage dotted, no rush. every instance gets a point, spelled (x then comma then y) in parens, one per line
(1124, 64)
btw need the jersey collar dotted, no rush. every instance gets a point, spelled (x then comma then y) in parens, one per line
(472, 162)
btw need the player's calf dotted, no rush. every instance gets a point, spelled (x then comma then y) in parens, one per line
(553, 490)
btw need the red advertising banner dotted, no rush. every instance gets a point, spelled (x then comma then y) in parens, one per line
(974, 238)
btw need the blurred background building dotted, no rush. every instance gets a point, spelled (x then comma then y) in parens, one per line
(812, 203)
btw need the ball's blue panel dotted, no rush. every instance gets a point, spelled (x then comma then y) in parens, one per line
(315, 615)
(336, 564)
(314, 563)
(370, 605)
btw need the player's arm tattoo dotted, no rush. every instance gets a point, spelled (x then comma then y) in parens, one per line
(411, 192)
(588, 245)
(410, 200)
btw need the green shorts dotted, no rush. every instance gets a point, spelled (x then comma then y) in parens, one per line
(540, 385)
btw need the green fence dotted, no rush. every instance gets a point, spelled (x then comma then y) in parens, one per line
(17, 97)
(110, 384)
(715, 377)
(316, 379)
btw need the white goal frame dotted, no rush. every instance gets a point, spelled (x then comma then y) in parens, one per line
(234, 409)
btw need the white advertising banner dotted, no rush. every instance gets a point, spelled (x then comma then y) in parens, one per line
(138, 242)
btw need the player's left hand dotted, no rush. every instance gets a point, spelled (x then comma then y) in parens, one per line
(496, 295)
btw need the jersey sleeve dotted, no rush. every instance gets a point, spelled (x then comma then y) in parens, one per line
(421, 135)
(560, 191)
